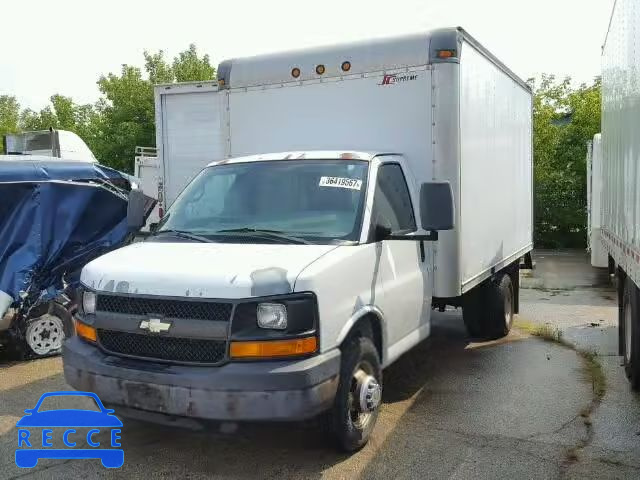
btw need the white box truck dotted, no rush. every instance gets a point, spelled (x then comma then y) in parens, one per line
(620, 208)
(599, 256)
(277, 286)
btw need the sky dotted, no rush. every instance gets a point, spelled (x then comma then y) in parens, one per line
(63, 46)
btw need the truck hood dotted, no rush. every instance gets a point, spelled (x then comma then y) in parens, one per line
(207, 270)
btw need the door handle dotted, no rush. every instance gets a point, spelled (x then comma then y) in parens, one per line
(422, 254)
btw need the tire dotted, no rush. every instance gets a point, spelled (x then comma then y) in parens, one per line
(45, 331)
(488, 309)
(501, 307)
(631, 334)
(473, 310)
(349, 426)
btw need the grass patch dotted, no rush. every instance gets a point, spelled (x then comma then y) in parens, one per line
(591, 365)
(594, 371)
(545, 331)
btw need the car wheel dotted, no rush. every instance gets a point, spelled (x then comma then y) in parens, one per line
(356, 406)
(46, 330)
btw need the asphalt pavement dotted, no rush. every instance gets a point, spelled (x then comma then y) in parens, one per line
(513, 408)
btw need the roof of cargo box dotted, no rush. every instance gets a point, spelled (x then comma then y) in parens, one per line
(382, 54)
(303, 155)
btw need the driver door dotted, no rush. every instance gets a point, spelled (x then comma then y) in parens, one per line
(404, 276)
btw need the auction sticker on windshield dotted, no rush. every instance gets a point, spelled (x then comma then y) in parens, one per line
(341, 182)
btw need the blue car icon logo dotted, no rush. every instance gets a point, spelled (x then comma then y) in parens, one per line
(33, 446)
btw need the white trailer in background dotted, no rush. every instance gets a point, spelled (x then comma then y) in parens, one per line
(46, 144)
(620, 208)
(192, 130)
(309, 264)
(146, 169)
(599, 256)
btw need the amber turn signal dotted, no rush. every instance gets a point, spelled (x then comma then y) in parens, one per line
(274, 348)
(446, 53)
(86, 332)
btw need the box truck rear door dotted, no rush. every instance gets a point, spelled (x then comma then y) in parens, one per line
(193, 132)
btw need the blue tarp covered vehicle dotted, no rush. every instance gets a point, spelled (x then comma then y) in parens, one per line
(55, 216)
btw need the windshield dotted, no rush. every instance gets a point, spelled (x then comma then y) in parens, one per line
(314, 200)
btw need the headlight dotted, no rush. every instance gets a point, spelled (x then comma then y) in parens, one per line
(89, 302)
(272, 315)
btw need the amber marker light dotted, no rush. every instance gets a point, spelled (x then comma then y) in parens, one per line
(446, 53)
(274, 348)
(86, 332)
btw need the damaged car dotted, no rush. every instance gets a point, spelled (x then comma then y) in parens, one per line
(56, 215)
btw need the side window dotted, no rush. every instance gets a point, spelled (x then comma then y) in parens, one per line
(392, 203)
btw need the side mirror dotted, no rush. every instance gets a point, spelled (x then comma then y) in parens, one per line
(436, 206)
(153, 227)
(382, 232)
(135, 210)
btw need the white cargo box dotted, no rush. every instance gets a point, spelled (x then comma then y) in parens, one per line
(465, 119)
(621, 139)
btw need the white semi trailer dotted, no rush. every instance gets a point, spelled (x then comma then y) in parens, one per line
(620, 208)
(599, 256)
(278, 285)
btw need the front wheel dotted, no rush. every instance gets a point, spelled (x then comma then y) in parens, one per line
(356, 406)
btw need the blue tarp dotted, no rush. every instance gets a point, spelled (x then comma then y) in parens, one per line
(54, 218)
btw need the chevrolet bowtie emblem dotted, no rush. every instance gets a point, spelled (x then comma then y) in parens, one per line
(155, 325)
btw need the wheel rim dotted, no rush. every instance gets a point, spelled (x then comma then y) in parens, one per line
(45, 334)
(627, 333)
(508, 308)
(364, 388)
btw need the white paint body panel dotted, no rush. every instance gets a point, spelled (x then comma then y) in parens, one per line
(382, 277)
(496, 168)
(353, 114)
(594, 203)
(621, 139)
(204, 270)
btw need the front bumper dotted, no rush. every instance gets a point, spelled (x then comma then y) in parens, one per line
(271, 390)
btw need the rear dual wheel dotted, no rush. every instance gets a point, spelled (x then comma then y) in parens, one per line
(488, 309)
(631, 333)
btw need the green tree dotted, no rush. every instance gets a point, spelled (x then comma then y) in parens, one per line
(126, 109)
(187, 66)
(9, 116)
(564, 120)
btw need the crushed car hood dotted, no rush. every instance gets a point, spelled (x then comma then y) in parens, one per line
(207, 270)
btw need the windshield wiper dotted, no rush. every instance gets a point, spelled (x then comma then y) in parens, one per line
(267, 234)
(187, 235)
